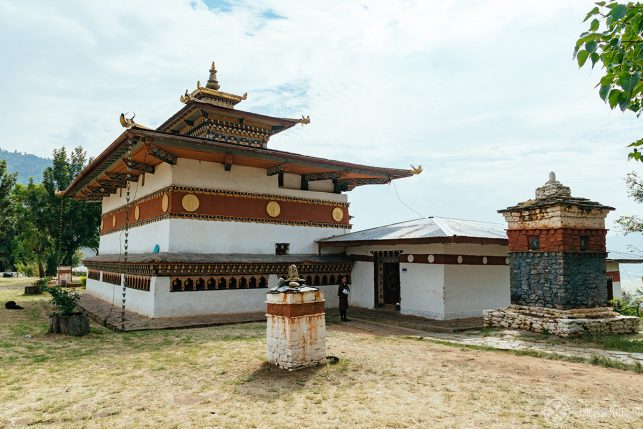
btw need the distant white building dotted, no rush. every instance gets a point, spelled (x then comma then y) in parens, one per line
(435, 267)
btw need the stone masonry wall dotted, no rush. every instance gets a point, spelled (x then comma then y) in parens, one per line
(558, 280)
(540, 321)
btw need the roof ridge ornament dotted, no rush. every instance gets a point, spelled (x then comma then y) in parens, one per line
(212, 80)
(211, 94)
(553, 189)
(127, 122)
(416, 170)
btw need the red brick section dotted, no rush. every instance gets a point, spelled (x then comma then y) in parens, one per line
(614, 275)
(557, 240)
(295, 310)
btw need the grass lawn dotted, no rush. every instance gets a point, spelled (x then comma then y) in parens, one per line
(217, 377)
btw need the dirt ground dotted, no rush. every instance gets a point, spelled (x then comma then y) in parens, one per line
(217, 377)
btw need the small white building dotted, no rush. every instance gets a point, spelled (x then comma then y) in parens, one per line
(437, 268)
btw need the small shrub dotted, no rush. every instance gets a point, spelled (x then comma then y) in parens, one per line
(83, 280)
(65, 300)
(629, 304)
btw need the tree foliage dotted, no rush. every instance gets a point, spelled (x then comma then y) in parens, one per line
(632, 224)
(7, 215)
(615, 39)
(51, 229)
(72, 223)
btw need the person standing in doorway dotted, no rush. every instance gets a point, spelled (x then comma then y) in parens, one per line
(342, 292)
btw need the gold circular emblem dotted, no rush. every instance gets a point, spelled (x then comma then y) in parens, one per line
(113, 221)
(137, 212)
(273, 209)
(165, 203)
(190, 202)
(338, 214)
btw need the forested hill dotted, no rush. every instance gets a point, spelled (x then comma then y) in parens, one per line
(25, 164)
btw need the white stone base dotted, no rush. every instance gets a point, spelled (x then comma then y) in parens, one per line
(295, 342)
(564, 323)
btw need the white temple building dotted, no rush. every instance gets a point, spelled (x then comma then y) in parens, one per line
(210, 217)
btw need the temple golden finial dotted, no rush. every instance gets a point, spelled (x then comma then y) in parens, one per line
(213, 83)
(416, 170)
(304, 120)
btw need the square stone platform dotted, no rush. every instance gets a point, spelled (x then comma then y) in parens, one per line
(564, 323)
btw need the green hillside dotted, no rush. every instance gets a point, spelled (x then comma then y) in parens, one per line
(25, 164)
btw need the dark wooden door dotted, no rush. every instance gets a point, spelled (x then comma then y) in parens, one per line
(391, 283)
(610, 289)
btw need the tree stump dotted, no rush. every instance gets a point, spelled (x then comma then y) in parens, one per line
(76, 324)
(32, 290)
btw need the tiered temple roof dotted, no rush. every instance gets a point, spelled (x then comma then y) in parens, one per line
(210, 128)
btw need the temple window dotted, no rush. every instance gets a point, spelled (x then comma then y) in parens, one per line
(189, 285)
(534, 242)
(263, 282)
(176, 285)
(309, 280)
(200, 284)
(331, 280)
(243, 283)
(222, 283)
(212, 283)
(316, 281)
(282, 248)
(253, 283)
(232, 284)
(324, 280)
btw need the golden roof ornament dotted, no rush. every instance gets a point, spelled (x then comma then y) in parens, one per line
(127, 122)
(416, 170)
(213, 83)
(211, 94)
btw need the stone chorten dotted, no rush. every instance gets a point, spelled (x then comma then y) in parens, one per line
(557, 266)
(557, 249)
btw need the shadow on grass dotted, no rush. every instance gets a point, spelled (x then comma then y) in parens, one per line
(269, 383)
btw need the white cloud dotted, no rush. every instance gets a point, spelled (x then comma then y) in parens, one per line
(484, 94)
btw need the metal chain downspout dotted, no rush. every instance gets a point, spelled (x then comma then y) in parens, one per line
(126, 243)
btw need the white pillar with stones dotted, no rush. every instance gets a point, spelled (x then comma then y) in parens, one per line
(296, 329)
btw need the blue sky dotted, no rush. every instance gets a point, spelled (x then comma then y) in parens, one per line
(483, 94)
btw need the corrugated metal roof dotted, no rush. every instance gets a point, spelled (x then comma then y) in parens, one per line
(430, 227)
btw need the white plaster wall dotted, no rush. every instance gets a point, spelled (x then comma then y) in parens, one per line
(202, 236)
(422, 290)
(138, 301)
(176, 304)
(292, 181)
(362, 287)
(141, 239)
(212, 175)
(321, 186)
(161, 178)
(471, 289)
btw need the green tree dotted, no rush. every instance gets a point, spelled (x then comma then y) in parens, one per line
(7, 216)
(33, 243)
(633, 224)
(615, 39)
(72, 224)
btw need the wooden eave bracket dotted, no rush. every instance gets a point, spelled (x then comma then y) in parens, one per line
(276, 169)
(160, 154)
(138, 166)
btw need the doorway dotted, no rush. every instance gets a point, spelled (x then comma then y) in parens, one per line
(387, 280)
(391, 284)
